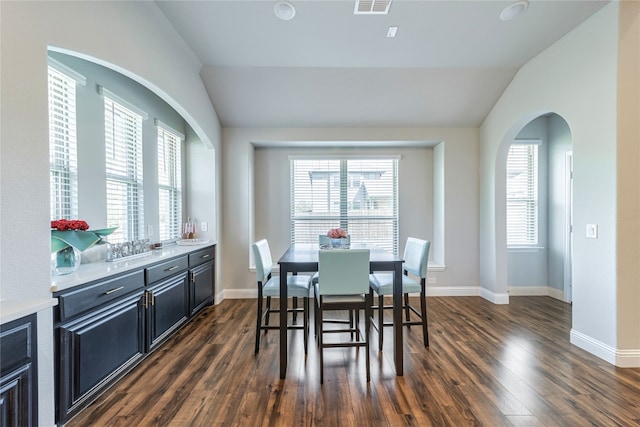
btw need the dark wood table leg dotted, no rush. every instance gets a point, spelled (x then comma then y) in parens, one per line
(283, 321)
(397, 319)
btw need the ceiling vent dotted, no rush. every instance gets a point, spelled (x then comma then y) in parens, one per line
(372, 7)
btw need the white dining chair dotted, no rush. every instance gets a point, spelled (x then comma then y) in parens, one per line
(416, 258)
(343, 284)
(298, 286)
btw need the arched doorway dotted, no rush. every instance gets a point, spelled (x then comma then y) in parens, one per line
(538, 260)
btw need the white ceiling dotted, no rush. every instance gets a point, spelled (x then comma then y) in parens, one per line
(450, 62)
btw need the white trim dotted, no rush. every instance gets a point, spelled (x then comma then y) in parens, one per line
(548, 291)
(345, 157)
(106, 92)
(527, 141)
(166, 127)
(79, 78)
(493, 297)
(524, 248)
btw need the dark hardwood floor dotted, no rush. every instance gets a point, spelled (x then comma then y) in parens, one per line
(487, 365)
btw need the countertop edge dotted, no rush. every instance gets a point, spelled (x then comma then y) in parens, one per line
(100, 270)
(11, 310)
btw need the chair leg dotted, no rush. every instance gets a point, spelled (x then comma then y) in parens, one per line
(305, 322)
(258, 322)
(295, 313)
(406, 309)
(351, 323)
(380, 321)
(268, 312)
(320, 344)
(356, 323)
(423, 311)
(367, 331)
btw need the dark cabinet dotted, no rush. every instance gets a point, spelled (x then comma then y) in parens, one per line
(99, 337)
(167, 303)
(96, 349)
(201, 282)
(18, 373)
(106, 327)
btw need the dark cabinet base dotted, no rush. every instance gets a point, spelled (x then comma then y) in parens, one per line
(18, 377)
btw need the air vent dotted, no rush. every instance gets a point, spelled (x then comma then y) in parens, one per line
(372, 7)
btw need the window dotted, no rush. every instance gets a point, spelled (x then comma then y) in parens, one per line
(169, 182)
(63, 162)
(123, 142)
(522, 195)
(359, 195)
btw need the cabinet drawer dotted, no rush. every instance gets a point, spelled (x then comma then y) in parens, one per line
(81, 300)
(166, 269)
(202, 256)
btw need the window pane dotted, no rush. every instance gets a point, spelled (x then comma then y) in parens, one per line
(170, 184)
(357, 195)
(123, 144)
(522, 195)
(63, 164)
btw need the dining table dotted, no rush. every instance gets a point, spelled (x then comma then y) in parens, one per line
(303, 258)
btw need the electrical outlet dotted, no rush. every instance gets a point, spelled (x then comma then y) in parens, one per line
(431, 280)
(204, 226)
(149, 230)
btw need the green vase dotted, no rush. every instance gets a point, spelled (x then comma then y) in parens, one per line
(65, 261)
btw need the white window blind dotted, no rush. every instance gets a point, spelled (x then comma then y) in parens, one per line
(169, 182)
(359, 195)
(63, 162)
(522, 195)
(123, 143)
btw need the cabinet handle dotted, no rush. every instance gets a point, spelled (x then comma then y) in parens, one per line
(205, 256)
(114, 290)
(171, 268)
(153, 298)
(193, 277)
(144, 300)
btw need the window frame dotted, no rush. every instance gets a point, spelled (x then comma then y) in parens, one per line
(63, 139)
(341, 213)
(523, 232)
(169, 142)
(130, 178)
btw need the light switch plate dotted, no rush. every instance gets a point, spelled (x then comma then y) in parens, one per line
(592, 231)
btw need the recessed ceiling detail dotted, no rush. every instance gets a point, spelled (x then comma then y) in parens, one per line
(372, 7)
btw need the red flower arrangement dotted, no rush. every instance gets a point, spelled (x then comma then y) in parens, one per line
(66, 225)
(76, 233)
(337, 233)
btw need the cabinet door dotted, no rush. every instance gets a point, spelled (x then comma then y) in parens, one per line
(97, 349)
(201, 286)
(18, 372)
(168, 308)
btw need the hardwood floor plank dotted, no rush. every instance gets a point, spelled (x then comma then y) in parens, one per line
(487, 365)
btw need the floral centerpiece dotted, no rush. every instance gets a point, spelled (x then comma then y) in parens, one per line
(337, 233)
(68, 239)
(339, 238)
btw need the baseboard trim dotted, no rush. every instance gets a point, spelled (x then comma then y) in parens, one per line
(519, 291)
(620, 358)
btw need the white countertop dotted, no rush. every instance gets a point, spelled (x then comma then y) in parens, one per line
(98, 270)
(11, 310)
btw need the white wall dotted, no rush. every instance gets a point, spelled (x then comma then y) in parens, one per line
(560, 143)
(240, 206)
(132, 37)
(575, 78)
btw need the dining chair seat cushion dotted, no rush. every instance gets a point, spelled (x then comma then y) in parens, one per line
(329, 299)
(382, 284)
(298, 286)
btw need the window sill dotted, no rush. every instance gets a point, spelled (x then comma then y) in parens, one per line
(525, 248)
